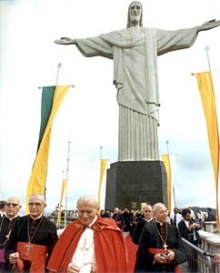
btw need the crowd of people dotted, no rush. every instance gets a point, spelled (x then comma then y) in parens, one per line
(95, 243)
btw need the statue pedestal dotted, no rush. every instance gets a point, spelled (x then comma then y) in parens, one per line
(130, 183)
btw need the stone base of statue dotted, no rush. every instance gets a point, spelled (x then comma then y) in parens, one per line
(131, 183)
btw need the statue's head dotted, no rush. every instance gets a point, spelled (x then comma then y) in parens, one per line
(135, 14)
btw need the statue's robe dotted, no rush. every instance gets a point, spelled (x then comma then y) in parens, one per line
(134, 52)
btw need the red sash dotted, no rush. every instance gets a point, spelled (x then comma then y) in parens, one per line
(37, 254)
(159, 250)
(2, 252)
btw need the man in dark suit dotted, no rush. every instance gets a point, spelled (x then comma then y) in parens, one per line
(211, 216)
(188, 227)
(189, 230)
(148, 217)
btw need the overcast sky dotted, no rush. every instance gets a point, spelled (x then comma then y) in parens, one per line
(88, 117)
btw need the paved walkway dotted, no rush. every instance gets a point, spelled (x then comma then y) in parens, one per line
(185, 268)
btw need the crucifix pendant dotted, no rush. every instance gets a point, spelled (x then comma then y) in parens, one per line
(165, 246)
(28, 248)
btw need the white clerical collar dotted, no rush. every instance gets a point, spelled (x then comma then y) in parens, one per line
(93, 221)
(186, 222)
(148, 220)
(36, 218)
(11, 218)
(161, 224)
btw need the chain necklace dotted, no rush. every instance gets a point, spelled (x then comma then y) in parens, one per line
(85, 246)
(30, 238)
(86, 242)
(162, 239)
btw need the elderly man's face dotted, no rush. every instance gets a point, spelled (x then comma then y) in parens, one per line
(12, 207)
(161, 214)
(86, 212)
(36, 206)
(135, 12)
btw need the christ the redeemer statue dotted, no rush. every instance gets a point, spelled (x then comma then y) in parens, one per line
(134, 51)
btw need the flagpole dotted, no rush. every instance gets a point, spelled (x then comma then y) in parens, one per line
(99, 190)
(207, 55)
(167, 142)
(58, 71)
(217, 180)
(174, 197)
(100, 152)
(67, 177)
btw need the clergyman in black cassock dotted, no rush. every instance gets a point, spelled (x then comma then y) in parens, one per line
(33, 237)
(161, 248)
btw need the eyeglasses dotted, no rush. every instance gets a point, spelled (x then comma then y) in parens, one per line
(11, 205)
(35, 204)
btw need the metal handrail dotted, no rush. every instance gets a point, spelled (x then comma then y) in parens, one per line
(207, 255)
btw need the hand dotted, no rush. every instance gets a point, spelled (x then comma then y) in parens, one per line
(93, 267)
(171, 255)
(76, 269)
(13, 257)
(65, 41)
(192, 226)
(209, 25)
(72, 268)
(216, 259)
(160, 258)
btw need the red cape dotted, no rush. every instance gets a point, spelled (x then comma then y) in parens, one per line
(109, 244)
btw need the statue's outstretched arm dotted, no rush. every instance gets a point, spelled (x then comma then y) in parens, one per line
(65, 41)
(209, 25)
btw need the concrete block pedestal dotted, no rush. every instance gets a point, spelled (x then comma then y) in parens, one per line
(130, 183)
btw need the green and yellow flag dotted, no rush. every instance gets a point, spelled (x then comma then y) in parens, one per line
(52, 97)
(206, 89)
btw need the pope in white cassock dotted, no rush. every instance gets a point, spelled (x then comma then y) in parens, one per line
(134, 52)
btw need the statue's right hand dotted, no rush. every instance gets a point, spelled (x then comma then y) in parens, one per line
(64, 41)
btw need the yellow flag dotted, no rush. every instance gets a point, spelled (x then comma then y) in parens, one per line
(64, 185)
(142, 206)
(37, 181)
(166, 161)
(206, 89)
(103, 165)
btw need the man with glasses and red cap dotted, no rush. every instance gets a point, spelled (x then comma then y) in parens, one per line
(32, 239)
(11, 210)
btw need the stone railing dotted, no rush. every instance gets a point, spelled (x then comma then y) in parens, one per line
(210, 244)
(210, 227)
(200, 259)
(65, 220)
